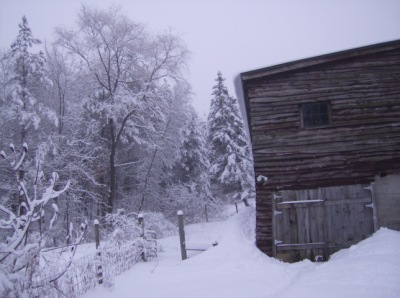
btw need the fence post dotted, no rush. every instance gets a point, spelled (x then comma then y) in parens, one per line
(99, 267)
(182, 235)
(141, 224)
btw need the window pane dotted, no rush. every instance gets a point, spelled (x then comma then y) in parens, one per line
(315, 114)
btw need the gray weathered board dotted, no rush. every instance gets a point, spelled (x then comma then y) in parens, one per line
(321, 221)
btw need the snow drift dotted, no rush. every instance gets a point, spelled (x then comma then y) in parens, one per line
(236, 268)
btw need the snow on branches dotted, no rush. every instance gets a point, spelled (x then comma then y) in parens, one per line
(21, 249)
(231, 170)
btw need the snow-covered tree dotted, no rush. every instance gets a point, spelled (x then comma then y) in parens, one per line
(23, 83)
(6, 95)
(29, 81)
(128, 68)
(231, 173)
(158, 165)
(67, 84)
(192, 165)
(75, 147)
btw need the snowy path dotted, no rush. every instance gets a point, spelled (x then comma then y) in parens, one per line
(235, 268)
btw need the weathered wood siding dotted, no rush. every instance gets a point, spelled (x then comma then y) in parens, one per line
(364, 139)
(387, 200)
(363, 91)
(264, 215)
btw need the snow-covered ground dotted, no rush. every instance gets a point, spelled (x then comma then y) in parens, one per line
(236, 268)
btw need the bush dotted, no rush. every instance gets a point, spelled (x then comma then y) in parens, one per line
(159, 224)
(122, 227)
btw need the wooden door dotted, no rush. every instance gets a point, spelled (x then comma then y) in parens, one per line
(309, 223)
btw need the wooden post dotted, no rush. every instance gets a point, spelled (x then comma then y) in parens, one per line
(206, 212)
(182, 235)
(275, 213)
(274, 240)
(237, 210)
(99, 267)
(141, 224)
(373, 206)
(96, 233)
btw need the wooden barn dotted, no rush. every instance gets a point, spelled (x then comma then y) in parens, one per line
(325, 136)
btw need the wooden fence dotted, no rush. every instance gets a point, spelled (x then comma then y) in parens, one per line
(182, 238)
(314, 223)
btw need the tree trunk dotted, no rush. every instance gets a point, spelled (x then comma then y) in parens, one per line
(24, 100)
(112, 189)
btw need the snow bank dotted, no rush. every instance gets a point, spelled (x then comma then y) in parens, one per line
(236, 268)
(368, 269)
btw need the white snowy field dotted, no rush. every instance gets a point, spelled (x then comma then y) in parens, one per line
(236, 268)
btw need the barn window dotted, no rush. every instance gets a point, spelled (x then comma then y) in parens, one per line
(315, 114)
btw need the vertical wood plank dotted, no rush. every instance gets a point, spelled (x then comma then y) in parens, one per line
(274, 228)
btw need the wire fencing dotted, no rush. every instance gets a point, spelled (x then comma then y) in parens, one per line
(82, 275)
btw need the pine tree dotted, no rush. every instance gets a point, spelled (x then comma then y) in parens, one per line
(29, 79)
(231, 172)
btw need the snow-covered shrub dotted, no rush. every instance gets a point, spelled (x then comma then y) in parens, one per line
(21, 250)
(122, 227)
(186, 198)
(159, 224)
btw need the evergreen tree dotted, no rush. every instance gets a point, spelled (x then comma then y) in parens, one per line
(29, 81)
(231, 174)
(192, 165)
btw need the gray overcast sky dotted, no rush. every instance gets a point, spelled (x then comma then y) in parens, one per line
(230, 36)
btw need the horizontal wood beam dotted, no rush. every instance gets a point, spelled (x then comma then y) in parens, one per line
(317, 245)
(316, 203)
(196, 249)
(300, 246)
